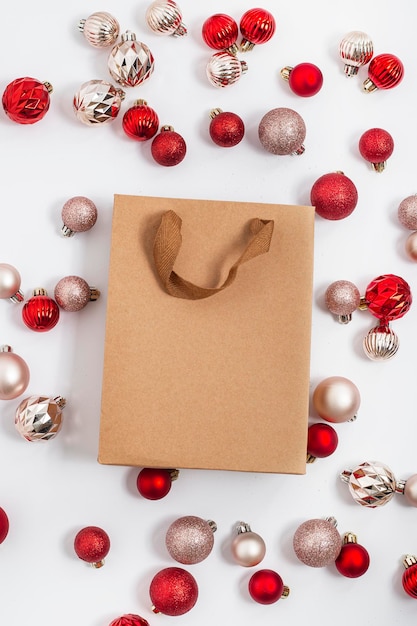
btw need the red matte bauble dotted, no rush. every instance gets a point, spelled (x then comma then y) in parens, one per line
(220, 32)
(322, 440)
(154, 483)
(173, 591)
(40, 313)
(26, 100)
(266, 586)
(376, 146)
(168, 147)
(140, 122)
(305, 79)
(226, 129)
(334, 196)
(385, 71)
(353, 560)
(388, 297)
(257, 26)
(92, 544)
(4, 525)
(129, 620)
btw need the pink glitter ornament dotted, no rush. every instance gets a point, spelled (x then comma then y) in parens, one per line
(317, 542)
(72, 293)
(282, 131)
(190, 539)
(79, 214)
(342, 298)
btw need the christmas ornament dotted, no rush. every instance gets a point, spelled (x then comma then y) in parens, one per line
(92, 544)
(376, 146)
(100, 29)
(226, 129)
(39, 418)
(305, 79)
(79, 214)
(72, 293)
(164, 17)
(336, 399)
(155, 483)
(10, 283)
(407, 215)
(129, 620)
(266, 587)
(224, 68)
(26, 100)
(322, 441)
(356, 50)
(40, 313)
(140, 122)
(353, 560)
(257, 26)
(97, 102)
(334, 196)
(168, 148)
(370, 484)
(408, 488)
(220, 32)
(342, 298)
(248, 548)
(130, 62)
(385, 71)
(173, 591)
(409, 577)
(317, 543)
(4, 525)
(282, 131)
(14, 374)
(190, 539)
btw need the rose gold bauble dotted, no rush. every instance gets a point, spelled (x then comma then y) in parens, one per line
(317, 543)
(336, 399)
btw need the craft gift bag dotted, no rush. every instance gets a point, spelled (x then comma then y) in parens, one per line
(208, 334)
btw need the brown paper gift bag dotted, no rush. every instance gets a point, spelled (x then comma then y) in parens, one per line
(208, 332)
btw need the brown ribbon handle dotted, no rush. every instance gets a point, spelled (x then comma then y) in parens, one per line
(167, 245)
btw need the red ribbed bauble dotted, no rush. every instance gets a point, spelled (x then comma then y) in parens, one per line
(140, 122)
(220, 32)
(173, 591)
(334, 196)
(40, 313)
(409, 577)
(257, 26)
(4, 525)
(226, 129)
(168, 147)
(385, 71)
(154, 483)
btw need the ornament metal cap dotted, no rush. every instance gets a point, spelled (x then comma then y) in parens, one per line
(349, 538)
(409, 560)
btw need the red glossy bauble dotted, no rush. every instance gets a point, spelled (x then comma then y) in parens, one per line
(266, 586)
(376, 146)
(92, 544)
(226, 129)
(168, 147)
(305, 79)
(26, 100)
(385, 71)
(257, 26)
(140, 122)
(129, 620)
(173, 591)
(40, 313)
(322, 440)
(353, 560)
(409, 577)
(220, 32)
(334, 196)
(154, 483)
(4, 525)
(388, 297)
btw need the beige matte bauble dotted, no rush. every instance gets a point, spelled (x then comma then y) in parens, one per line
(248, 548)
(336, 399)
(411, 246)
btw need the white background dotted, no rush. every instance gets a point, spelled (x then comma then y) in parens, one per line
(52, 490)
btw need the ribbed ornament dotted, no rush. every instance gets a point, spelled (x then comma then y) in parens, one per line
(225, 69)
(164, 17)
(100, 29)
(356, 49)
(381, 343)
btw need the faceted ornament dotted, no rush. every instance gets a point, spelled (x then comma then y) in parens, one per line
(97, 102)
(26, 100)
(371, 484)
(39, 417)
(388, 297)
(381, 343)
(129, 620)
(130, 62)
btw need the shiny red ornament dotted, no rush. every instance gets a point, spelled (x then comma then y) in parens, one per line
(140, 122)
(257, 26)
(353, 560)
(4, 525)
(385, 71)
(173, 591)
(266, 587)
(334, 196)
(376, 146)
(226, 129)
(92, 544)
(388, 297)
(154, 483)
(129, 620)
(40, 312)
(322, 441)
(305, 79)
(26, 100)
(168, 147)
(220, 32)
(409, 577)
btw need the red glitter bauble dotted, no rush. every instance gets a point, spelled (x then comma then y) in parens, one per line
(220, 32)
(266, 586)
(26, 100)
(173, 591)
(168, 147)
(129, 620)
(353, 560)
(376, 146)
(409, 577)
(226, 129)
(140, 122)
(257, 26)
(92, 544)
(334, 196)
(305, 79)
(4, 525)
(155, 483)
(385, 71)
(40, 313)
(322, 440)
(388, 297)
